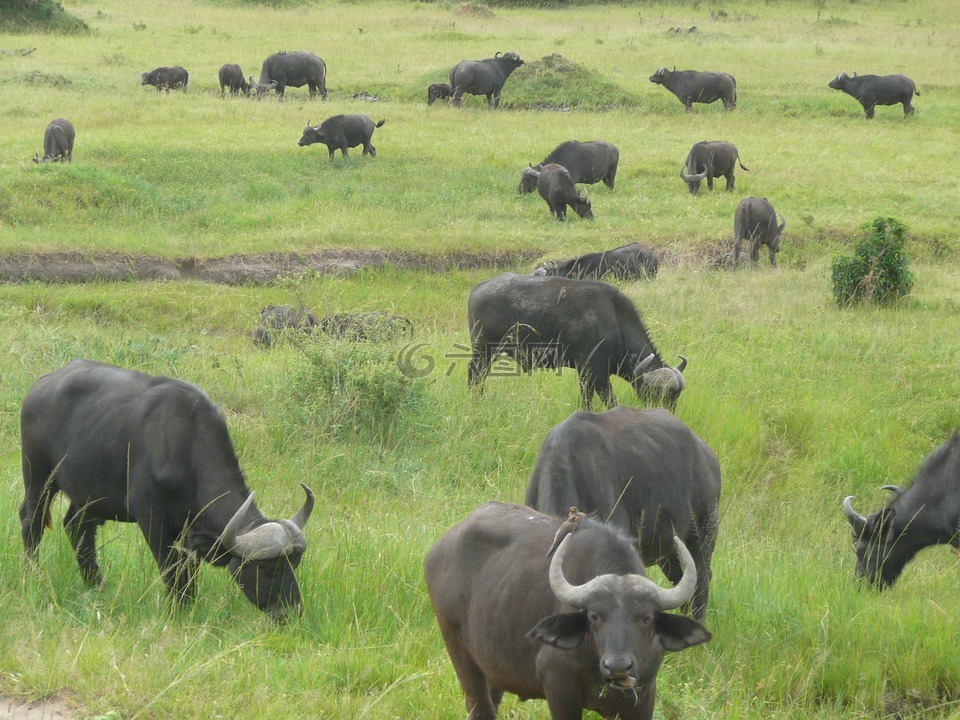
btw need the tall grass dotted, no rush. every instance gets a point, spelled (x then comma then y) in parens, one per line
(803, 402)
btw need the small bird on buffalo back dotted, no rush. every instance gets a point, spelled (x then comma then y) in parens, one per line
(567, 527)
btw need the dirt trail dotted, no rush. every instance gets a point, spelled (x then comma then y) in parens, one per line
(257, 269)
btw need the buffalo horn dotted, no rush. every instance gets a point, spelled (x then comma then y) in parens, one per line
(696, 177)
(683, 363)
(857, 521)
(643, 364)
(498, 54)
(897, 491)
(664, 599)
(271, 539)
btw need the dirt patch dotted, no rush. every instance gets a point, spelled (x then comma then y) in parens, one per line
(52, 709)
(258, 269)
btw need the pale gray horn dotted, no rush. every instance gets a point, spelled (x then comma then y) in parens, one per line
(683, 363)
(682, 592)
(303, 514)
(897, 491)
(643, 364)
(857, 521)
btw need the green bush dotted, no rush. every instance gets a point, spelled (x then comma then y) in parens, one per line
(30, 16)
(349, 388)
(879, 270)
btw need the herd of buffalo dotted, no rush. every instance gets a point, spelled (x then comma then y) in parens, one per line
(549, 599)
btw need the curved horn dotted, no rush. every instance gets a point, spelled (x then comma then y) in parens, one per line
(857, 521)
(498, 54)
(897, 491)
(643, 364)
(228, 538)
(682, 592)
(683, 363)
(575, 595)
(303, 514)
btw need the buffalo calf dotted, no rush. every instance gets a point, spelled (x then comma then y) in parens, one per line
(755, 220)
(439, 91)
(58, 141)
(556, 187)
(341, 132)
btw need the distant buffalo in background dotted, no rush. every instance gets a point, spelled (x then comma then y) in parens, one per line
(587, 162)
(628, 262)
(166, 78)
(292, 69)
(57, 142)
(483, 77)
(376, 326)
(341, 132)
(873, 90)
(710, 160)
(691, 86)
(756, 220)
(231, 76)
(439, 91)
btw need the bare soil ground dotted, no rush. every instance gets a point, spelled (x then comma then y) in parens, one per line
(53, 709)
(74, 267)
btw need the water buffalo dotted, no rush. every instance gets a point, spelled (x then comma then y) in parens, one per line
(556, 187)
(439, 91)
(152, 450)
(644, 471)
(166, 78)
(873, 90)
(756, 220)
(926, 513)
(280, 319)
(376, 326)
(292, 69)
(710, 159)
(341, 132)
(58, 141)
(584, 628)
(483, 77)
(691, 86)
(553, 322)
(231, 76)
(628, 262)
(587, 162)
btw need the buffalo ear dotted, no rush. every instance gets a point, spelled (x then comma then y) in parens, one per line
(678, 632)
(564, 630)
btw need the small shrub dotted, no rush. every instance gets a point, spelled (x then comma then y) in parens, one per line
(879, 270)
(350, 388)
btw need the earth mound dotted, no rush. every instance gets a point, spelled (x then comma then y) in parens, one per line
(556, 83)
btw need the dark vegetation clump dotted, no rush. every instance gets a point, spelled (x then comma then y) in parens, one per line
(37, 16)
(475, 9)
(879, 271)
(555, 83)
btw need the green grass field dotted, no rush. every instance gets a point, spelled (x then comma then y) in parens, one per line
(804, 403)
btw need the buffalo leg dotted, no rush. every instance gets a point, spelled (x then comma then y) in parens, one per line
(177, 566)
(369, 149)
(868, 110)
(35, 509)
(331, 153)
(82, 532)
(730, 181)
(908, 107)
(479, 366)
(773, 256)
(561, 210)
(709, 182)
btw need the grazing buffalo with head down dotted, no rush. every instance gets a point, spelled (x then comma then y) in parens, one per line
(552, 322)
(643, 471)
(556, 187)
(58, 141)
(341, 132)
(710, 159)
(926, 513)
(131, 447)
(628, 262)
(691, 86)
(483, 77)
(873, 90)
(231, 76)
(584, 628)
(166, 78)
(587, 162)
(756, 221)
(439, 91)
(292, 69)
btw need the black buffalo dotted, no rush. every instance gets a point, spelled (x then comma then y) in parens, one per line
(873, 90)
(556, 187)
(231, 76)
(756, 221)
(376, 326)
(279, 319)
(483, 77)
(926, 513)
(691, 86)
(439, 91)
(553, 322)
(628, 262)
(292, 69)
(584, 628)
(152, 450)
(710, 159)
(644, 471)
(341, 132)
(166, 78)
(587, 162)
(58, 139)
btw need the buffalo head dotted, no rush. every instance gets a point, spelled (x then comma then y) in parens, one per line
(658, 76)
(662, 383)
(263, 558)
(311, 135)
(625, 617)
(879, 559)
(693, 180)
(528, 179)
